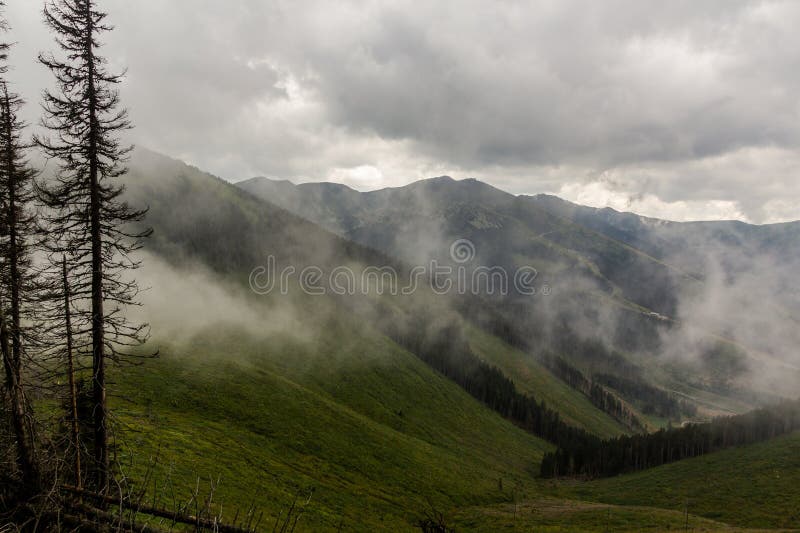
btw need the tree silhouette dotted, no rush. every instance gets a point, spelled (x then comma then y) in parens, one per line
(88, 220)
(17, 228)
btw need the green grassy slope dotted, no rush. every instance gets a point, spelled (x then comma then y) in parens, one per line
(199, 218)
(377, 433)
(380, 438)
(558, 515)
(532, 378)
(338, 408)
(750, 486)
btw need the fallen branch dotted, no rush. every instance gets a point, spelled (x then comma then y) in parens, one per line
(174, 516)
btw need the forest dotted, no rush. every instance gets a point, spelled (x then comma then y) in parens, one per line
(638, 452)
(579, 453)
(654, 401)
(594, 390)
(443, 346)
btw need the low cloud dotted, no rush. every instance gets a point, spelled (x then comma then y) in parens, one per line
(180, 303)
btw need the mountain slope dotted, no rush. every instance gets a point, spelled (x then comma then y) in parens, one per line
(283, 394)
(372, 431)
(682, 241)
(199, 218)
(735, 248)
(533, 378)
(419, 221)
(618, 277)
(750, 486)
(378, 440)
(301, 396)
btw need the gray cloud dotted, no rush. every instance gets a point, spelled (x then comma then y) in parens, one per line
(685, 109)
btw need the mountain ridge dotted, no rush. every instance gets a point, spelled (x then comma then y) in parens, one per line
(246, 182)
(659, 270)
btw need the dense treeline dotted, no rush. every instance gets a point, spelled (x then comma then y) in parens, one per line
(637, 452)
(562, 339)
(654, 401)
(441, 343)
(600, 397)
(608, 367)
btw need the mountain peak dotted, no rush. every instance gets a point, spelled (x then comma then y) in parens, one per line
(257, 179)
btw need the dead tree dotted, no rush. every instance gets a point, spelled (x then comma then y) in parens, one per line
(88, 219)
(20, 415)
(17, 228)
(73, 391)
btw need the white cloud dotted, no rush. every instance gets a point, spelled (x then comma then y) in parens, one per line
(599, 194)
(690, 107)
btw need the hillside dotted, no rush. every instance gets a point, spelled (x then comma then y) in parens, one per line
(751, 486)
(199, 217)
(533, 378)
(623, 249)
(419, 221)
(618, 276)
(394, 266)
(378, 439)
(374, 433)
(285, 397)
(188, 208)
(686, 243)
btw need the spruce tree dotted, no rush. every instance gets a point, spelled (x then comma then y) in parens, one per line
(17, 229)
(89, 220)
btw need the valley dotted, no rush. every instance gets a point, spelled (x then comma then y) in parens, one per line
(332, 413)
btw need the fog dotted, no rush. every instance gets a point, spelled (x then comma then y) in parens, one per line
(733, 303)
(181, 302)
(745, 303)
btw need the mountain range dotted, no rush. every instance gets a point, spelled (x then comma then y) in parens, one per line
(705, 275)
(368, 398)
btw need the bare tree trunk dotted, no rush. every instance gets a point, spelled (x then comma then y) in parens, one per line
(98, 324)
(10, 338)
(26, 456)
(13, 249)
(73, 393)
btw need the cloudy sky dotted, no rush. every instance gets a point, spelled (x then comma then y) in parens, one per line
(682, 110)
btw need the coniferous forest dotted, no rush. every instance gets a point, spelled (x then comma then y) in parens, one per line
(579, 453)
(638, 452)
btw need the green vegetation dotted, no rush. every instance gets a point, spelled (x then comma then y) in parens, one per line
(337, 412)
(558, 515)
(381, 439)
(530, 377)
(750, 486)
(376, 433)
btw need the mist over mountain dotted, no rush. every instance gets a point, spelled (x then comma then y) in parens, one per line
(635, 328)
(529, 266)
(656, 287)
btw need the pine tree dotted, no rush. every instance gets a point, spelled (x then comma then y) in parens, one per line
(17, 229)
(89, 221)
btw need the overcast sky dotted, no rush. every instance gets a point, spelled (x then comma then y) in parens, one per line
(681, 110)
